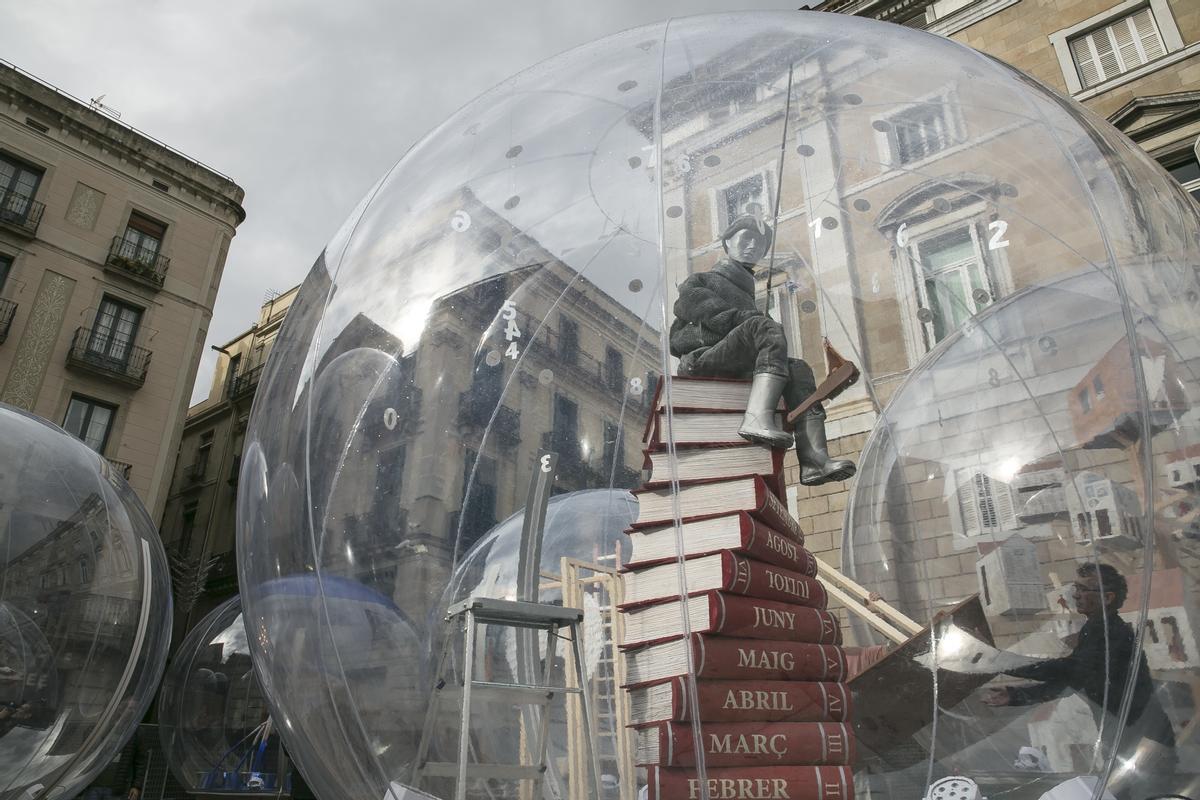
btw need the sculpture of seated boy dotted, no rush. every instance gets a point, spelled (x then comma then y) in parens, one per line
(719, 332)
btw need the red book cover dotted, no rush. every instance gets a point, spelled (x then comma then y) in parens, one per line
(660, 467)
(724, 571)
(753, 783)
(747, 744)
(714, 498)
(730, 615)
(740, 532)
(741, 701)
(720, 658)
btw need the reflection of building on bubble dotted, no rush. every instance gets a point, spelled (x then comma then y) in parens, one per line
(217, 734)
(84, 610)
(1015, 283)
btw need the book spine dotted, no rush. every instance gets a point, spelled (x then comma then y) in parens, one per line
(763, 701)
(767, 544)
(752, 618)
(744, 576)
(751, 744)
(661, 475)
(753, 783)
(761, 659)
(650, 432)
(773, 512)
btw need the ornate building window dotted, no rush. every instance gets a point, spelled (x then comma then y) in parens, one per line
(143, 238)
(18, 186)
(115, 330)
(478, 508)
(949, 256)
(954, 280)
(750, 194)
(1125, 43)
(920, 130)
(1117, 45)
(1185, 169)
(89, 420)
(568, 340)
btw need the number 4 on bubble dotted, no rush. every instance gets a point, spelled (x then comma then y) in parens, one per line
(508, 311)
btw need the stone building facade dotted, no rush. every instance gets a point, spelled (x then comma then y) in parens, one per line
(112, 246)
(198, 521)
(440, 472)
(909, 200)
(1135, 63)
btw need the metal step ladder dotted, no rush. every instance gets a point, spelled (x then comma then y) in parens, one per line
(467, 616)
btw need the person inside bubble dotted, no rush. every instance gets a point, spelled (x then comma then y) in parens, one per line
(719, 332)
(1098, 667)
(12, 715)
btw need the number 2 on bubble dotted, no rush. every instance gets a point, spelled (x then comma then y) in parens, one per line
(998, 228)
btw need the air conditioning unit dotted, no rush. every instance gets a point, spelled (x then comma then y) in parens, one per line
(1103, 511)
(1010, 578)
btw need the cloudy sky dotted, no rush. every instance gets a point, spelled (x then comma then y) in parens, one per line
(305, 104)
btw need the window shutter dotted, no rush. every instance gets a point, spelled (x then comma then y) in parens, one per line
(1081, 52)
(1118, 47)
(1127, 44)
(968, 505)
(1107, 56)
(1006, 513)
(1148, 35)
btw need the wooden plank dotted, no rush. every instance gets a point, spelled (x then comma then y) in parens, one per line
(892, 615)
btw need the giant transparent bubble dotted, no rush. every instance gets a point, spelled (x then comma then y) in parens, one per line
(216, 731)
(578, 563)
(978, 245)
(85, 610)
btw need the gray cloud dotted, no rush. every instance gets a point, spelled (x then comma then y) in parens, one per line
(304, 103)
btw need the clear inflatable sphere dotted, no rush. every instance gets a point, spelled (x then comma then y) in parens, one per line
(1030, 490)
(213, 721)
(522, 305)
(578, 562)
(85, 610)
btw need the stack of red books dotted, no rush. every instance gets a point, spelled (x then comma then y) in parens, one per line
(770, 697)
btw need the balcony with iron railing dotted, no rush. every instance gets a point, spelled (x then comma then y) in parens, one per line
(575, 468)
(20, 214)
(7, 310)
(141, 264)
(195, 472)
(245, 382)
(222, 575)
(574, 361)
(121, 467)
(98, 353)
(475, 410)
(571, 463)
